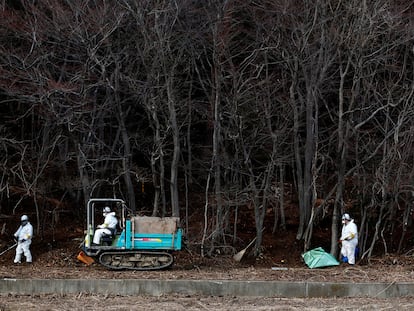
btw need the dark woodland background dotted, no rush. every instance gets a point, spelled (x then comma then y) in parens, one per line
(245, 113)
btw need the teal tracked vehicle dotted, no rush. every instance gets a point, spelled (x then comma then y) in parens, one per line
(138, 243)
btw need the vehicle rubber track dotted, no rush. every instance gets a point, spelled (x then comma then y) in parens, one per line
(136, 260)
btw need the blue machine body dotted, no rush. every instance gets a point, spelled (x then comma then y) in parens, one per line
(138, 243)
(147, 241)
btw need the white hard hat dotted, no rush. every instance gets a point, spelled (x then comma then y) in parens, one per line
(24, 218)
(107, 209)
(346, 217)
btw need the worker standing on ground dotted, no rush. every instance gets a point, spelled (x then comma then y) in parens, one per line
(349, 239)
(23, 236)
(108, 227)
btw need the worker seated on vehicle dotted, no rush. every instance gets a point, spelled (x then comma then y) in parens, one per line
(107, 228)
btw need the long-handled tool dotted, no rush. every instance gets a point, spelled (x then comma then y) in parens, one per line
(240, 254)
(5, 251)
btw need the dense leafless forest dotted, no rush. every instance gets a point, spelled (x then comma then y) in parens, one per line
(230, 108)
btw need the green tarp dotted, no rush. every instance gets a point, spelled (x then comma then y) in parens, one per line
(318, 258)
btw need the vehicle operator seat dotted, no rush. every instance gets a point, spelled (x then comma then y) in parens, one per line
(107, 239)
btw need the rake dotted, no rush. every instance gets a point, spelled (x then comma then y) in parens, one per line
(5, 251)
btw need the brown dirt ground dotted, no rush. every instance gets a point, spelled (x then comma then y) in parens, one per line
(55, 252)
(60, 261)
(57, 260)
(187, 303)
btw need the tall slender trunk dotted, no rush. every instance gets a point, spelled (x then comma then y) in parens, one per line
(175, 207)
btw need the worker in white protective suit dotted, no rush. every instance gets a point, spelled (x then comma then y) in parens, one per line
(107, 228)
(23, 237)
(349, 239)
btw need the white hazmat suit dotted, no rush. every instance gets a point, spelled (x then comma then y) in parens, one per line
(349, 239)
(24, 238)
(108, 227)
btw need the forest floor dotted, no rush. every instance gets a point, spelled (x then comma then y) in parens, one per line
(54, 257)
(59, 262)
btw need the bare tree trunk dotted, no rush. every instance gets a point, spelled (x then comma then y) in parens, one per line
(176, 154)
(297, 156)
(83, 174)
(282, 197)
(341, 155)
(126, 158)
(157, 164)
(216, 157)
(126, 161)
